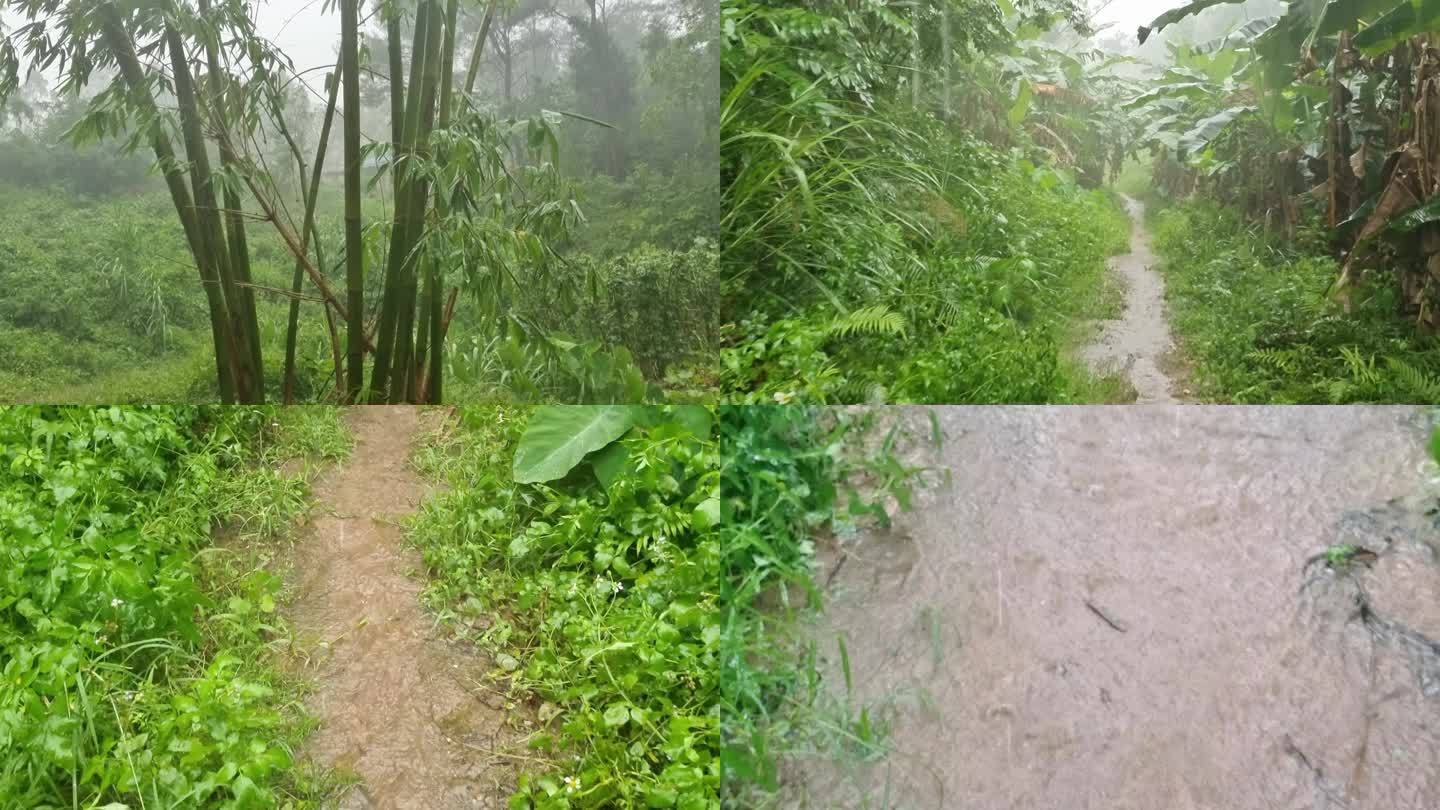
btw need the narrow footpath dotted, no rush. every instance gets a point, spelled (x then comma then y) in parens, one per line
(400, 709)
(1139, 343)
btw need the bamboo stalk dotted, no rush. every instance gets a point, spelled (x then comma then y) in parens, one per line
(401, 237)
(310, 195)
(212, 234)
(431, 387)
(354, 246)
(234, 216)
(397, 90)
(118, 40)
(420, 198)
(479, 47)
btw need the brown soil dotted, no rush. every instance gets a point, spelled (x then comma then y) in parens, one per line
(398, 706)
(1131, 609)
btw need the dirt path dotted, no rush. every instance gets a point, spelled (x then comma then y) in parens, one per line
(1139, 343)
(1129, 609)
(398, 707)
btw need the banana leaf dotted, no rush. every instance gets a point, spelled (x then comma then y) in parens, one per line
(1192, 90)
(1242, 37)
(1423, 214)
(1402, 22)
(1175, 15)
(1210, 128)
(1341, 15)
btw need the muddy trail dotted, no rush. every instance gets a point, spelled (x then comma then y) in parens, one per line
(400, 709)
(1130, 609)
(1139, 344)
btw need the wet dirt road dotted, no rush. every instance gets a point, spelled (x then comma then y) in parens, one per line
(398, 707)
(1123, 609)
(1140, 341)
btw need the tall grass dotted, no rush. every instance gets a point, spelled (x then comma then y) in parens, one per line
(874, 250)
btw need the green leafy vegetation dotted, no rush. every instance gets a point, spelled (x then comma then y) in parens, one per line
(789, 474)
(1255, 319)
(909, 211)
(1306, 122)
(133, 667)
(580, 546)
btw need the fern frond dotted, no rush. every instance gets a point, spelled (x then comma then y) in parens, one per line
(876, 320)
(1281, 359)
(1414, 382)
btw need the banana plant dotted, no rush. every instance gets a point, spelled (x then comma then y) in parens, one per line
(1349, 85)
(1067, 103)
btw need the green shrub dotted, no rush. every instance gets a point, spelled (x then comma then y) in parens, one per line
(127, 674)
(604, 585)
(660, 304)
(1259, 326)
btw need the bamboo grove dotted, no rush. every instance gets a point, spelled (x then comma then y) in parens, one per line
(197, 87)
(1328, 107)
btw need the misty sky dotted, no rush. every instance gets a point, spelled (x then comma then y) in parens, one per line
(308, 36)
(300, 29)
(1130, 14)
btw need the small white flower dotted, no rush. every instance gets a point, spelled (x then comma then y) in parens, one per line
(784, 397)
(572, 784)
(117, 602)
(616, 587)
(101, 639)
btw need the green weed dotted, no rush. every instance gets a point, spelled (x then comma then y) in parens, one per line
(873, 251)
(133, 673)
(786, 477)
(595, 591)
(1257, 322)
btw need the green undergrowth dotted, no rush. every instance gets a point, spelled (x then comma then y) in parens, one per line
(789, 475)
(920, 264)
(579, 546)
(104, 306)
(1257, 322)
(133, 665)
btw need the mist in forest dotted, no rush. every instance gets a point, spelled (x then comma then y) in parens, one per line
(597, 118)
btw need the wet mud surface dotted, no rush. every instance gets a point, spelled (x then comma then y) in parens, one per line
(1139, 343)
(401, 709)
(1142, 608)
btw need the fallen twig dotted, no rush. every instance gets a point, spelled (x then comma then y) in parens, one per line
(1115, 625)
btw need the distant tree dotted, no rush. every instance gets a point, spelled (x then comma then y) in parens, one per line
(604, 89)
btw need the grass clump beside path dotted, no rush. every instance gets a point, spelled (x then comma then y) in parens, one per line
(784, 479)
(1256, 321)
(924, 266)
(132, 650)
(596, 593)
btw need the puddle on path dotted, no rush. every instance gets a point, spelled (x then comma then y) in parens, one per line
(399, 707)
(1123, 609)
(1139, 342)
